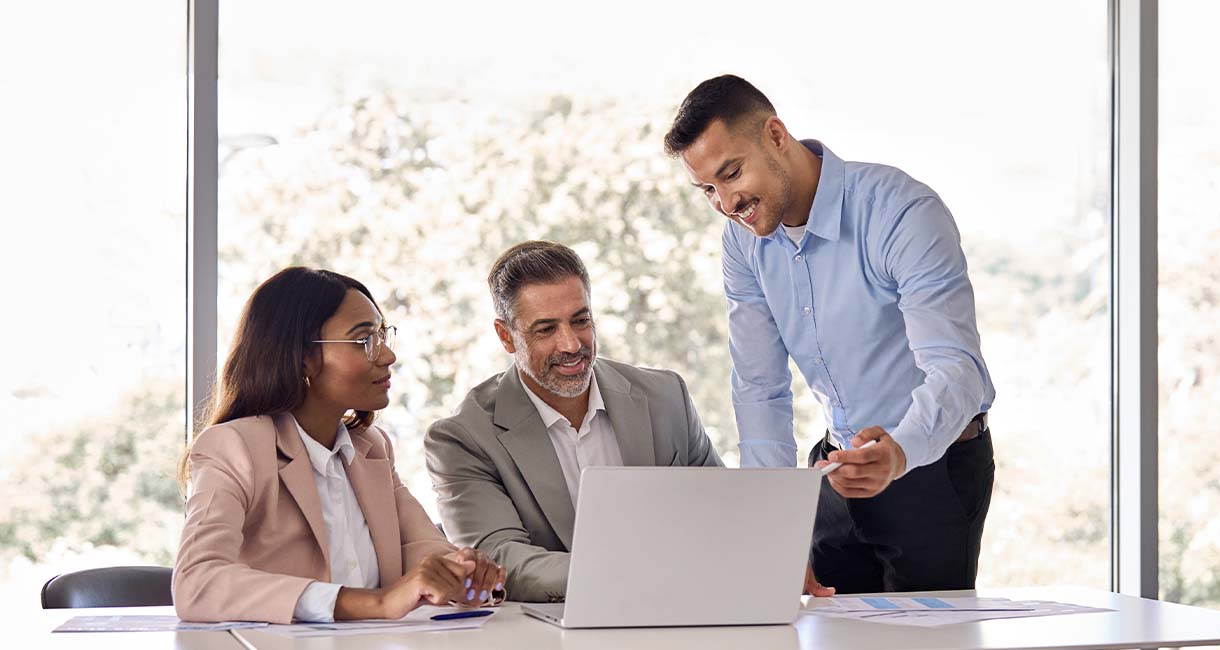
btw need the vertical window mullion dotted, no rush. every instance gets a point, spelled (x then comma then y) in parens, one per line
(201, 271)
(1134, 283)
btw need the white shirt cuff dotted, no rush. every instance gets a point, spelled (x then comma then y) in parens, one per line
(317, 603)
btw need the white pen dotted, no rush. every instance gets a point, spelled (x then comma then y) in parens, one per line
(833, 466)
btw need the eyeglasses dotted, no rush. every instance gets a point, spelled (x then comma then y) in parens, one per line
(372, 343)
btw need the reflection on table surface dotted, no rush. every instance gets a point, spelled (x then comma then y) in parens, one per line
(511, 628)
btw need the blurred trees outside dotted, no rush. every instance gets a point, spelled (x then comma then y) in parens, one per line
(417, 199)
(105, 482)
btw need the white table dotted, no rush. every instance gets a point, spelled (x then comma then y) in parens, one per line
(1134, 623)
(35, 632)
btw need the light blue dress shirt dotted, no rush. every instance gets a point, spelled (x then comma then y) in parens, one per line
(873, 305)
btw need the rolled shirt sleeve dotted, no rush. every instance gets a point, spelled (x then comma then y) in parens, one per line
(317, 603)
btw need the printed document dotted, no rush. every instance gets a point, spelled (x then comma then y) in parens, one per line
(146, 624)
(934, 612)
(418, 620)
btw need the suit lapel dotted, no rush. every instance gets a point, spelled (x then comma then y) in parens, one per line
(370, 476)
(297, 476)
(629, 417)
(526, 440)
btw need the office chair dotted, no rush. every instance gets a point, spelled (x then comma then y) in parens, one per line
(119, 586)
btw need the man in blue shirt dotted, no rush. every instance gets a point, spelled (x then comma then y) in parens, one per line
(854, 271)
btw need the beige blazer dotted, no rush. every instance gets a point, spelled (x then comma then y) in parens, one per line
(499, 484)
(254, 536)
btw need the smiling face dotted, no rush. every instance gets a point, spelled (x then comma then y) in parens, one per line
(741, 172)
(340, 374)
(552, 337)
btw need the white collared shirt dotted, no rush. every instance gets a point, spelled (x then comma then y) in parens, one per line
(593, 445)
(353, 560)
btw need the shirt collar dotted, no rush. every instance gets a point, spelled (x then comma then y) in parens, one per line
(826, 213)
(320, 456)
(550, 416)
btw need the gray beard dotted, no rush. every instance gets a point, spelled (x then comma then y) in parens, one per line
(568, 387)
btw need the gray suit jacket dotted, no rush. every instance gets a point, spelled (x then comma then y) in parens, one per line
(497, 477)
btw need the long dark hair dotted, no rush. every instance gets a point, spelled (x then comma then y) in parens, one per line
(264, 372)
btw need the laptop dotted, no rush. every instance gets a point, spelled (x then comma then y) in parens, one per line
(671, 546)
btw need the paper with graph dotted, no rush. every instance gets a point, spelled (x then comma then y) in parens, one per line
(934, 612)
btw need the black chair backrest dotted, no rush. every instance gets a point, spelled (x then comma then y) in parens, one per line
(119, 586)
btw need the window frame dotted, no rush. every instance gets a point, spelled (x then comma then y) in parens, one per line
(1133, 426)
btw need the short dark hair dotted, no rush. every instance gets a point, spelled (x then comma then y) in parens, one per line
(531, 262)
(727, 97)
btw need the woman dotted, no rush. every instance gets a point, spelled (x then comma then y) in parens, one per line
(295, 510)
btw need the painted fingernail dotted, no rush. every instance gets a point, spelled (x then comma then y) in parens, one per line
(499, 586)
(470, 595)
(483, 595)
(467, 583)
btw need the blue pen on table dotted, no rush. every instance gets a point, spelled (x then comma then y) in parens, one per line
(472, 613)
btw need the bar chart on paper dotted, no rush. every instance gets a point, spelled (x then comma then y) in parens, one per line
(881, 604)
(934, 612)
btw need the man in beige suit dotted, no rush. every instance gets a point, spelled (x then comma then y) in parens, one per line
(506, 466)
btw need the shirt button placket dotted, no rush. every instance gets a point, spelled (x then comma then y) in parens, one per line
(806, 310)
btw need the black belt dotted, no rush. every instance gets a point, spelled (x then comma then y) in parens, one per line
(976, 427)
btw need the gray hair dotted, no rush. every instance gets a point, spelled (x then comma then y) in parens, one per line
(531, 262)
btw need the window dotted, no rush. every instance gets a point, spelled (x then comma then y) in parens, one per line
(92, 384)
(409, 144)
(1189, 308)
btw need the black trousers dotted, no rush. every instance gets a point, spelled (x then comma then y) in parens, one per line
(923, 532)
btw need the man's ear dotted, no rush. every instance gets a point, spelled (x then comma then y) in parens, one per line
(506, 336)
(775, 134)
